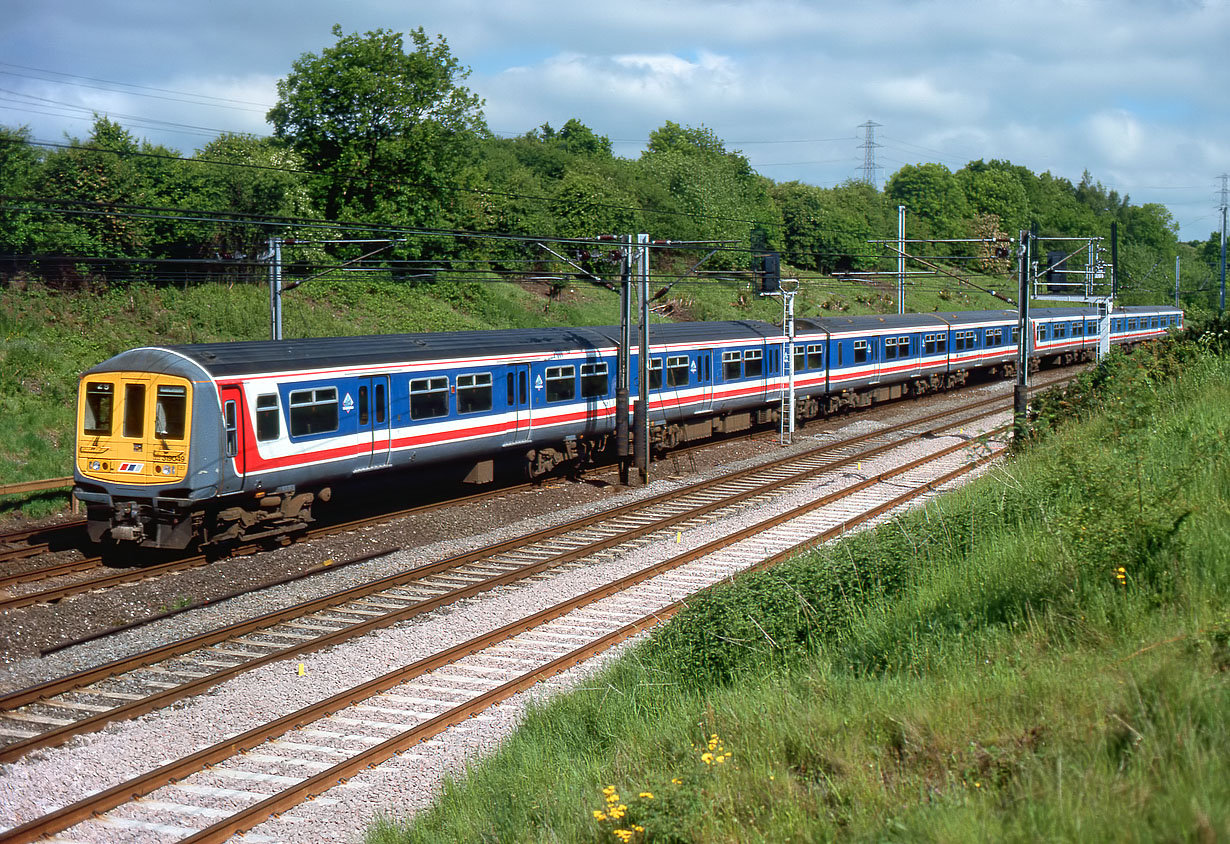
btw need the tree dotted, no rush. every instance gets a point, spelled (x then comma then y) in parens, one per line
(994, 191)
(931, 195)
(19, 164)
(392, 132)
(721, 198)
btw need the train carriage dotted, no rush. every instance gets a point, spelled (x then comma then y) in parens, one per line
(217, 442)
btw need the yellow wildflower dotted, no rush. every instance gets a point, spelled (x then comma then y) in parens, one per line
(648, 795)
(610, 789)
(623, 834)
(638, 828)
(612, 798)
(676, 781)
(707, 758)
(599, 815)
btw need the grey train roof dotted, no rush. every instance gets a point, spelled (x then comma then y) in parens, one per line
(239, 358)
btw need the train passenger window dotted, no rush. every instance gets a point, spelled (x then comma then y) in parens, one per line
(815, 357)
(931, 344)
(732, 366)
(677, 371)
(171, 411)
(313, 411)
(99, 399)
(134, 410)
(861, 351)
(268, 422)
(364, 410)
(753, 363)
(655, 373)
(474, 393)
(1061, 329)
(230, 422)
(428, 398)
(594, 380)
(890, 348)
(1132, 324)
(1078, 329)
(1016, 335)
(561, 383)
(381, 404)
(800, 358)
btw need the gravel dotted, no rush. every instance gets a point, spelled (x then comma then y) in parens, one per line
(50, 778)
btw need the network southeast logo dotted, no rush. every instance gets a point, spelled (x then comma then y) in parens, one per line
(131, 467)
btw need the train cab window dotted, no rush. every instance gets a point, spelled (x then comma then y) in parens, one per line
(99, 402)
(594, 381)
(561, 383)
(753, 363)
(171, 411)
(861, 351)
(677, 371)
(268, 422)
(230, 422)
(428, 398)
(732, 366)
(474, 393)
(134, 410)
(655, 373)
(313, 411)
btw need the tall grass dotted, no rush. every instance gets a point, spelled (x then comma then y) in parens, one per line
(1044, 655)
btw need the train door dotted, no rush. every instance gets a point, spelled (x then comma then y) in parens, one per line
(868, 355)
(518, 384)
(704, 377)
(232, 429)
(374, 417)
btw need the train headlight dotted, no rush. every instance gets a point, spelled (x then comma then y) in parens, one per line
(95, 465)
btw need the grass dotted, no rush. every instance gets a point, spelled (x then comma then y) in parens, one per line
(1044, 655)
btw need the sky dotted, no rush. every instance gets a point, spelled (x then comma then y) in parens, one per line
(1134, 91)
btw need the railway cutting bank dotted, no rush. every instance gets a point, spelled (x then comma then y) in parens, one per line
(169, 815)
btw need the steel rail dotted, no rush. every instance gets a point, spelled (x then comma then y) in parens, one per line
(137, 574)
(245, 819)
(30, 694)
(58, 735)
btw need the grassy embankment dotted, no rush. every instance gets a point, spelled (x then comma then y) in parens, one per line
(48, 338)
(1042, 655)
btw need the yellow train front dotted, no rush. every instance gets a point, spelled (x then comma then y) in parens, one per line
(134, 470)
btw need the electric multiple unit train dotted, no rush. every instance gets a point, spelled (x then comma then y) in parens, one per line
(220, 442)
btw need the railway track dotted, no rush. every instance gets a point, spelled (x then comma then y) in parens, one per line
(235, 784)
(27, 543)
(51, 712)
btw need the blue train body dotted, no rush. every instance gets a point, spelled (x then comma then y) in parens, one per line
(217, 442)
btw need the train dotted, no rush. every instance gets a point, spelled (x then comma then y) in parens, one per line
(209, 444)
